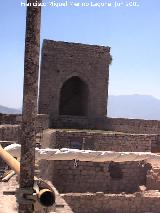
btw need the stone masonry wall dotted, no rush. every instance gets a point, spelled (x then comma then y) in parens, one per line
(12, 132)
(10, 119)
(108, 177)
(15, 119)
(9, 132)
(49, 138)
(111, 203)
(103, 140)
(42, 122)
(137, 126)
(63, 60)
(155, 144)
(133, 126)
(76, 122)
(153, 178)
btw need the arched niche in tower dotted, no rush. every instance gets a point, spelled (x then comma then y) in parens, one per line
(74, 97)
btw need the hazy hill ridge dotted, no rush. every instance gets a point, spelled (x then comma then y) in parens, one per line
(7, 110)
(134, 106)
(122, 106)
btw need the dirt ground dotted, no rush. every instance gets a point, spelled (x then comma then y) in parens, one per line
(8, 202)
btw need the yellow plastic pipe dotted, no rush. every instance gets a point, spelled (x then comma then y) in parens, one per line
(10, 160)
(45, 196)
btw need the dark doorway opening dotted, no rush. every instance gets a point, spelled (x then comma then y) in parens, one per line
(115, 170)
(74, 97)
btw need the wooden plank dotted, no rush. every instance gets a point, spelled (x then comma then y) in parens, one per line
(30, 91)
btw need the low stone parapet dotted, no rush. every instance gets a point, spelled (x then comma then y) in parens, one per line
(148, 202)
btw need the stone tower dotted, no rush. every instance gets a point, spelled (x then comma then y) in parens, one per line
(74, 83)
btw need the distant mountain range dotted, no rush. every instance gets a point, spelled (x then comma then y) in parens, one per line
(134, 106)
(7, 110)
(122, 106)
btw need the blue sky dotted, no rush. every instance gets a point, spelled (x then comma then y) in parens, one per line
(133, 33)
